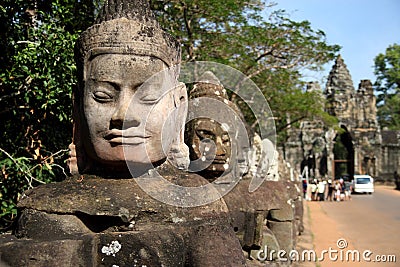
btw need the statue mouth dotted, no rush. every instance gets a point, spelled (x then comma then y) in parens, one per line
(118, 137)
(219, 161)
(124, 140)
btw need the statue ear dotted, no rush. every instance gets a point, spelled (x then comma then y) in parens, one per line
(181, 104)
(181, 97)
(178, 155)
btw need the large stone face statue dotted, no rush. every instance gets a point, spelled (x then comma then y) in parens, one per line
(122, 112)
(123, 120)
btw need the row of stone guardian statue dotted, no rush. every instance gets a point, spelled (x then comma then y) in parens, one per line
(130, 126)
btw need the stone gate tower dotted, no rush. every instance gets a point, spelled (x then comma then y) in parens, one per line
(359, 147)
(356, 148)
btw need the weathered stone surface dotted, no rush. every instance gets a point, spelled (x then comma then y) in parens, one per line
(158, 247)
(102, 210)
(222, 251)
(46, 226)
(270, 242)
(63, 253)
(284, 214)
(283, 232)
(296, 201)
(249, 230)
(249, 211)
(270, 195)
(339, 79)
(299, 213)
(103, 203)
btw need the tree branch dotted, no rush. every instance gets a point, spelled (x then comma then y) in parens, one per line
(290, 123)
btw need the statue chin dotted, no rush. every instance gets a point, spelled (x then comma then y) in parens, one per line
(129, 155)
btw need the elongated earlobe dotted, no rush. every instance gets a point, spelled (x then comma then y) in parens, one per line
(178, 154)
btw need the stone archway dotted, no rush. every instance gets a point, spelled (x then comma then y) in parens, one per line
(343, 151)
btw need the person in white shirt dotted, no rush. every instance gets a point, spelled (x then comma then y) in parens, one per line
(321, 190)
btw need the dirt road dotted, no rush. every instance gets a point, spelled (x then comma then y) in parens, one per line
(368, 226)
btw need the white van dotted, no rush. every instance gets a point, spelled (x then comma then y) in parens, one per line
(363, 184)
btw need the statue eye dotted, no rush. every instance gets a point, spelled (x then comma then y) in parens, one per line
(149, 99)
(102, 96)
(205, 135)
(225, 138)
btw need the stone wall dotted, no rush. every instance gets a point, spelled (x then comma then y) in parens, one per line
(390, 154)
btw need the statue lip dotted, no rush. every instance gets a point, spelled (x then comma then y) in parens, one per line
(121, 137)
(219, 160)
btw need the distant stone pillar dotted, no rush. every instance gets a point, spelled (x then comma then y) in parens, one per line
(329, 137)
(373, 167)
(378, 160)
(357, 165)
(317, 164)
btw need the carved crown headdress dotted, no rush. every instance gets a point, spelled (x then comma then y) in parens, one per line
(127, 27)
(208, 85)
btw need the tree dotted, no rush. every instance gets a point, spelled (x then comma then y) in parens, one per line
(36, 78)
(387, 86)
(270, 50)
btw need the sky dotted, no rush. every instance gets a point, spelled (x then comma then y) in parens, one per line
(363, 28)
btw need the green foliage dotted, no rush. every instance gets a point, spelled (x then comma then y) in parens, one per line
(36, 79)
(387, 86)
(19, 174)
(204, 27)
(389, 112)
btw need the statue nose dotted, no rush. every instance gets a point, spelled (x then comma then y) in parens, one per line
(221, 151)
(124, 117)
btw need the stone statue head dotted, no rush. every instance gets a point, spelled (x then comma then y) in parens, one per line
(129, 106)
(215, 146)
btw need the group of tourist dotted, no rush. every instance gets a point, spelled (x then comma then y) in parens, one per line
(321, 190)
